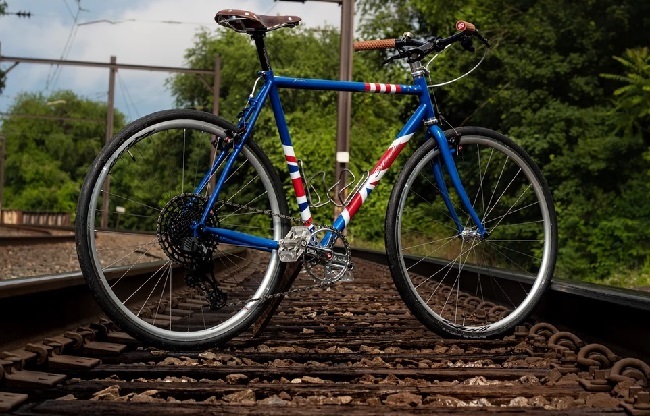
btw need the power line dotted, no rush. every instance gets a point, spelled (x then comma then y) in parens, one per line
(68, 7)
(96, 64)
(127, 98)
(46, 117)
(270, 8)
(166, 21)
(21, 14)
(54, 78)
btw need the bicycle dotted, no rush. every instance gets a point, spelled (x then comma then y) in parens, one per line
(208, 194)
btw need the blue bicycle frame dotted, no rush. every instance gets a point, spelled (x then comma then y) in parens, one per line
(424, 114)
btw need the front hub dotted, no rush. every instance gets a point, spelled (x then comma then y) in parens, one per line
(471, 235)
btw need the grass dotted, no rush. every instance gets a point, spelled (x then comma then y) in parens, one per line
(629, 279)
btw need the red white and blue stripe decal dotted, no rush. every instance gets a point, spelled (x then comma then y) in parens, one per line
(376, 174)
(383, 88)
(301, 197)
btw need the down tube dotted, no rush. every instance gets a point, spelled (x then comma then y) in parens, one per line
(380, 168)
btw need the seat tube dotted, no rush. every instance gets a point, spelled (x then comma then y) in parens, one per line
(290, 157)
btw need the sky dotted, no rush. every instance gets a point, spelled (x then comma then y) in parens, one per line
(149, 32)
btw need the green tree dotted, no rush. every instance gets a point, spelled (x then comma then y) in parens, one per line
(632, 100)
(540, 85)
(627, 227)
(51, 141)
(311, 115)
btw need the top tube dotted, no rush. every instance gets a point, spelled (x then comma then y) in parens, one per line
(351, 86)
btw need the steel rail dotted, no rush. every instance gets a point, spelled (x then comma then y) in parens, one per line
(604, 314)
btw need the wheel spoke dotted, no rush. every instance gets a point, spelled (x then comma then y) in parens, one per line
(154, 274)
(445, 270)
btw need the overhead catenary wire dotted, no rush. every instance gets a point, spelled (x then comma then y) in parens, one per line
(119, 21)
(69, 9)
(130, 104)
(53, 76)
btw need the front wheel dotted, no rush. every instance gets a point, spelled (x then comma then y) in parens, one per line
(135, 240)
(458, 283)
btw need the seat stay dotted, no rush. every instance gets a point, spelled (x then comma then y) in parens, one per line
(248, 119)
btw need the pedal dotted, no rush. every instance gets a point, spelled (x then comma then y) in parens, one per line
(293, 245)
(347, 276)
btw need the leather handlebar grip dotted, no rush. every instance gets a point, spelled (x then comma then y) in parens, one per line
(367, 45)
(463, 26)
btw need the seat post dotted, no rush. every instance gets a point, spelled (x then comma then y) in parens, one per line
(258, 37)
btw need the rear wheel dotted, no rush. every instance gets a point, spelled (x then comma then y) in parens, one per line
(464, 285)
(135, 243)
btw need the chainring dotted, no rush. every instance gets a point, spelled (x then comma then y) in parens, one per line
(327, 265)
(175, 230)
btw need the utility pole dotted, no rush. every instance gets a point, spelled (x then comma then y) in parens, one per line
(110, 123)
(345, 101)
(113, 66)
(2, 172)
(345, 98)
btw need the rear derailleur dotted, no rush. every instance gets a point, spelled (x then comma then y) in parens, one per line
(176, 238)
(201, 276)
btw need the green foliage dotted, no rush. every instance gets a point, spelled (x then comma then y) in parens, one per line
(51, 142)
(541, 85)
(633, 99)
(310, 115)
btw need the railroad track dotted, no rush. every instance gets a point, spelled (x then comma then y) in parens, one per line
(353, 348)
(33, 235)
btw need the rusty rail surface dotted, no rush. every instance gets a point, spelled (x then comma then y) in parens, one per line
(11, 235)
(353, 348)
(604, 314)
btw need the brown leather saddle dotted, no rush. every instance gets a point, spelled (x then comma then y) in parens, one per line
(249, 22)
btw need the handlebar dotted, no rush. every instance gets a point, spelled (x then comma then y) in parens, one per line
(463, 26)
(422, 48)
(368, 45)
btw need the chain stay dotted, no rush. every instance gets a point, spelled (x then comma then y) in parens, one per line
(327, 283)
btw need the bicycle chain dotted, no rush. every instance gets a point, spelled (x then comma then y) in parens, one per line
(291, 291)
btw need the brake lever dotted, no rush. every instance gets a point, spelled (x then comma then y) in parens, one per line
(400, 55)
(390, 59)
(482, 39)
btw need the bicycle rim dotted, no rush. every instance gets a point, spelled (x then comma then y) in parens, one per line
(470, 286)
(132, 252)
